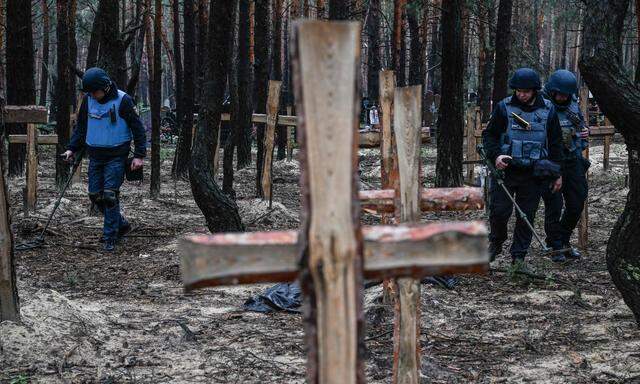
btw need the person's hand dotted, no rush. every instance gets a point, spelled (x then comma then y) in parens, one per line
(557, 185)
(67, 155)
(136, 164)
(584, 134)
(501, 163)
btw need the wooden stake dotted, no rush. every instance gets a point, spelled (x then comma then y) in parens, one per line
(273, 104)
(9, 304)
(406, 125)
(290, 137)
(583, 225)
(606, 142)
(31, 188)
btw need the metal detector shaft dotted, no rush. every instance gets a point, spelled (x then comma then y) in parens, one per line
(76, 164)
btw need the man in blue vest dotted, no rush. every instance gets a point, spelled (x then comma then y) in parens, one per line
(106, 124)
(559, 224)
(522, 133)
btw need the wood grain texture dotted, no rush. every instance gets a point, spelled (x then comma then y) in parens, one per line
(374, 139)
(431, 199)
(25, 114)
(31, 188)
(42, 139)
(583, 224)
(326, 61)
(406, 126)
(273, 104)
(394, 250)
(9, 304)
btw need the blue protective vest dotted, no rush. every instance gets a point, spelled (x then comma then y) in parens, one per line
(526, 146)
(573, 144)
(101, 130)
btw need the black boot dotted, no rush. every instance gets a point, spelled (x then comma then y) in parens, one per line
(495, 250)
(572, 253)
(519, 265)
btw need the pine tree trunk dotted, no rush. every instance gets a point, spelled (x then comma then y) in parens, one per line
(73, 52)
(220, 212)
(339, 9)
(137, 51)
(261, 48)
(112, 52)
(415, 64)
(503, 40)
(281, 130)
(637, 77)
(156, 100)
(619, 99)
(231, 126)
(177, 59)
(44, 72)
(242, 132)
(201, 46)
(63, 94)
(485, 65)
(20, 70)
(451, 112)
(183, 157)
(94, 39)
(398, 38)
(373, 57)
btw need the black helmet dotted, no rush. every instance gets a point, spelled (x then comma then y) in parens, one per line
(562, 81)
(525, 78)
(95, 79)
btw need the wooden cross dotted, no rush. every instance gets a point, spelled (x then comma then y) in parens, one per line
(331, 254)
(32, 115)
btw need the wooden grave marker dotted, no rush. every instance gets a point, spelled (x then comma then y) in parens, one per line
(273, 105)
(331, 254)
(9, 303)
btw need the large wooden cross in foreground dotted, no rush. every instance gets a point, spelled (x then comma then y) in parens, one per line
(331, 253)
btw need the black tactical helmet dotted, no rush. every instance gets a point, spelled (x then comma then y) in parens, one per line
(562, 81)
(525, 78)
(95, 79)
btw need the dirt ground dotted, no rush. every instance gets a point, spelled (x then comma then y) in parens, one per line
(91, 317)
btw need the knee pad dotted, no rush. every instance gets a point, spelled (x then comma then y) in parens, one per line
(110, 198)
(96, 198)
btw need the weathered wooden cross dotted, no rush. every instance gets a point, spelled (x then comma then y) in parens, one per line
(331, 254)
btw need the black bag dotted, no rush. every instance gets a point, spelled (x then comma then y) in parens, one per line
(547, 169)
(130, 174)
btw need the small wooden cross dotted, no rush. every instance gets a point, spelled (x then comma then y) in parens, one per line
(331, 253)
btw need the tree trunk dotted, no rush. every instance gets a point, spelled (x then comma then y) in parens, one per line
(451, 112)
(229, 143)
(261, 48)
(485, 65)
(339, 9)
(396, 42)
(94, 39)
(242, 131)
(637, 78)
(619, 99)
(281, 130)
(177, 57)
(503, 40)
(220, 212)
(373, 56)
(416, 76)
(112, 52)
(73, 52)
(20, 70)
(138, 50)
(183, 157)
(201, 46)
(435, 49)
(44, 72)
(156, 100)
(63, 94)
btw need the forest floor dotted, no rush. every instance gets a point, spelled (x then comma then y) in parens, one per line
(124, 317)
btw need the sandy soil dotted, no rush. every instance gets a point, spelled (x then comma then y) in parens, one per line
(124, 318)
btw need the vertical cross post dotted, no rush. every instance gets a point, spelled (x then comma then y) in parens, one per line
(290, 137)
(9, 305)
(31, 188)
(273, 104)
(583, 225)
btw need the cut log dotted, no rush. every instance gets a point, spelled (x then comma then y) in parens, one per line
(432, 199)
(273, 104)
(25, 114)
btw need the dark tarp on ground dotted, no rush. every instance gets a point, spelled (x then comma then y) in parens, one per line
(280, 297)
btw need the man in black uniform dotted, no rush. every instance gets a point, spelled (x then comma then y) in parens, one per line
(559, 224)
(523, 133)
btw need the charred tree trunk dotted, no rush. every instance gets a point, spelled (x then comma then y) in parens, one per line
(281, 130)
(230, 126)
(201, 46)
(63, 86)
(339, 9)
(94, 39)
(637, 76)
(44, 72)
(503, 40)
(156, 100)
(242, 131)
(373, 57)
(220, 212)
(73, 52)
(485, 65)
(416, 75)
(261, 49)
(396, 42)
(177, 58)
(138, 50)
(183, 157)
(619, 99)
(112, 51)
(451, 112)
(20, 70)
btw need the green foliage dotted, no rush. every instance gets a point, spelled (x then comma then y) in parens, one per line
(71, 278)
(21, 379)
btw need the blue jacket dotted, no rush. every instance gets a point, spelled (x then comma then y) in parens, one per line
(126, 112)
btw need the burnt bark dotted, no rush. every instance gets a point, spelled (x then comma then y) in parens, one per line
(220, 212)
(397, 41)
(177, 59)
(242, 131)
(261, 81)
(183, 157)
(485, 65)
(72, 11)
(137, 51)
(201, 45)
(63, 89)
(281, 130)
(416, 64)
(20, 70)
(94, 39)
(619, 99)
(451, 112)
(373, 57)
(156, 100)
(339, 9)
(44, 72)
(503, 44)
(112, 49)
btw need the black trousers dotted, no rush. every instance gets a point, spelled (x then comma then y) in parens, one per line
(527, 192)
(559, 223)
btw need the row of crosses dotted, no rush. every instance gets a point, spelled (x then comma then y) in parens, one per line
(331, 254)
